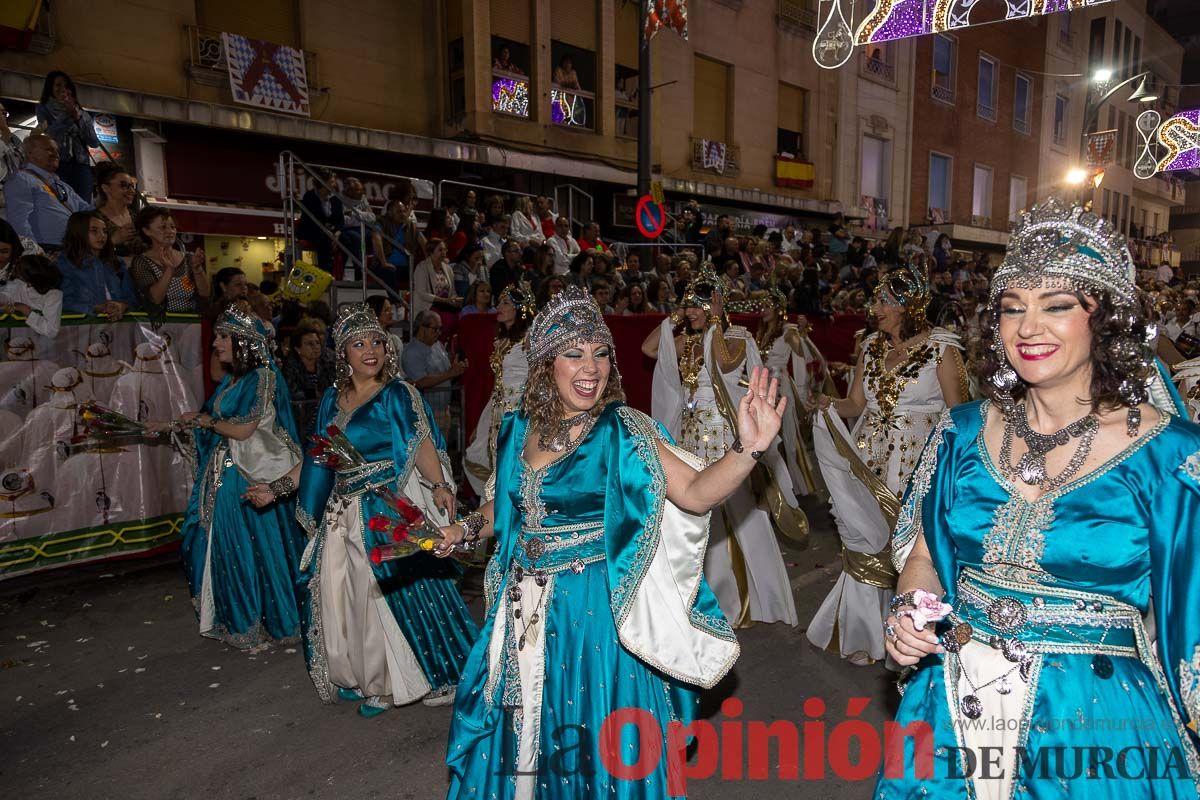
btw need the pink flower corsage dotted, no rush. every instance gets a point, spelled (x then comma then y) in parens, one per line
(927, 608)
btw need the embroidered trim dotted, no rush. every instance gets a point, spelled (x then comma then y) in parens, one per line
(263, 394)
(909, 523)
(1016, 543)
(1191, 466)
(1189, 685)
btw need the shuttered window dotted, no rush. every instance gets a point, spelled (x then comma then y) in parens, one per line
(269, 20)
(510, 19)
(573, 22)
(710, 100)
(791, 108)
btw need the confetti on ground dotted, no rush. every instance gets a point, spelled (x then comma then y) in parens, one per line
(140, 669)
(84, 639)
(216, 668)
(290, 650)
(168, 598)
(147, 622)
(158, 716)
(19, 697)
(72, 738)
(144, 657)
(61, 692)
(104, 744)
(213, 685)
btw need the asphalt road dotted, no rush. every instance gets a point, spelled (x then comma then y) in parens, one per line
(107, 691)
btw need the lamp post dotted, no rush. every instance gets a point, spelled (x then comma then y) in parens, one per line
(1091, 112)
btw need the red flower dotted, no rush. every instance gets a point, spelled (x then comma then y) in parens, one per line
(333, 462)
(412, 515)
(376, 555)
(399, 533)
(333, 430)
(379, 523)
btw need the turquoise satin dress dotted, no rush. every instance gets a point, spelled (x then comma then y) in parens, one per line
(1090, 595)
(541, 683)
(421, 591)
(250, 556)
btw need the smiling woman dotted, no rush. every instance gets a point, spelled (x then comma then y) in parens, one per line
(596, 597)
(1052, 517)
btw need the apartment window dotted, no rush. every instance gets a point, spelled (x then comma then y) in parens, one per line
(1096, 44)
(981, 197)
(1064, 27)
(940, 171)
(1135, 65)
(1018, 193)
(985, 105)
(944, 55)
(1117, 57)
(710, 100)
(880, 63)
(1126, 52)
(1121, 118)
(1021, 102)
(1154, 230)
(1060, 119)
(875, 174)
(1107, 203)
(789, 136)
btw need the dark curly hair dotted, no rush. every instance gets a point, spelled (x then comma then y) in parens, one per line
(1122, 357)
(543, 406)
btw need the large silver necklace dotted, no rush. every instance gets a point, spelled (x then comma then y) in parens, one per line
(1031, 467)
(557, 439)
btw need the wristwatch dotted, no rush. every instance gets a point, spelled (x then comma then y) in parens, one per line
(738, 447)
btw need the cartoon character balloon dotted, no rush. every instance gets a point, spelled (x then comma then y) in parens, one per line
(305, 282)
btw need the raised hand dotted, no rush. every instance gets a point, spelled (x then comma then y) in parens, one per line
(760, 414)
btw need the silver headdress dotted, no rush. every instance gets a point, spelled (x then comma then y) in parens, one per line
(570, 317)
(1058, 245)
(355, 321)
(247, 330)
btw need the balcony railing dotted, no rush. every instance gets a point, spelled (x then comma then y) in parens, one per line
(795, 15)
(943, 93)
(986, 110)
(572, 108)
(510, 94)
(981, 221)
(1021, 125)
(719, 158)
(876, 209)
(207, 66)
(878, 68)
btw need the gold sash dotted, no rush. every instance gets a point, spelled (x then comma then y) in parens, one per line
(889, 504)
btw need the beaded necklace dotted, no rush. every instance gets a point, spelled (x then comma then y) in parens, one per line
(691, 354)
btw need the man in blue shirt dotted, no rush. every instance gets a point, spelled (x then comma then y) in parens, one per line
(427, 366)
(39, 202)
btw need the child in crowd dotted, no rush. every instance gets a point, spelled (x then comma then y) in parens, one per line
(32, 292)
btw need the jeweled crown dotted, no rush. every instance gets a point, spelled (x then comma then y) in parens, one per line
(242, 325)
(354, 321)
(1058, 244)
(571, 316)
(700, 289)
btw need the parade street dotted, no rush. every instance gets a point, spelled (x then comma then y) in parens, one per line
(110, 693)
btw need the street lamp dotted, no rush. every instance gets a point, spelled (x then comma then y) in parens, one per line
(1076, 176)
(1091, 113)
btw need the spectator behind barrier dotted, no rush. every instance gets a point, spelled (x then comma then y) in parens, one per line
(308, 370)
(94, 280)
(564, 246)
(324, 221)
(38, 201)
(428, 367)
(167, 280)
(71, 128)
(479, 299)
(10, 248)
(33, 293)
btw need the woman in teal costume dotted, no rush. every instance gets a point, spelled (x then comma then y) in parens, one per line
(596, 596)
(242, 562)
(398, 631)
(1060, 520)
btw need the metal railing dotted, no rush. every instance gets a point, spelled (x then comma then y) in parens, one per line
(986, 110)
(574, 211)
(1021, 125)
(797, 14)
(702, 160)
(878, 68)
(440, 195)
(292, 186)
(944, 94)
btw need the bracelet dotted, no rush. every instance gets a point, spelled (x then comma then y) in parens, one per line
(738, 447)
(472, 524)
(442, 485)
(282, 487)
(900, 600)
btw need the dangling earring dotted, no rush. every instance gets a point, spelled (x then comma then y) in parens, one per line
(341, 373)
(541, 394)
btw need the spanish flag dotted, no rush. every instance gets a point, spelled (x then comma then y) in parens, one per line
(794, 174)
(18, 18)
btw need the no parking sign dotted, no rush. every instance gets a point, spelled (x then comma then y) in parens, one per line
(650, 217)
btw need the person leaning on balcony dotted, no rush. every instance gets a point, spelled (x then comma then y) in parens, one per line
(564, 74)
(38, 201)
(94, 280)
(503, 62)
(564, 246)
(167, 279)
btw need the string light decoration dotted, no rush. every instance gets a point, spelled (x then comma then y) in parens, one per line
(567, 108)
(901, 19)
(1167, 146)
(510, 96)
